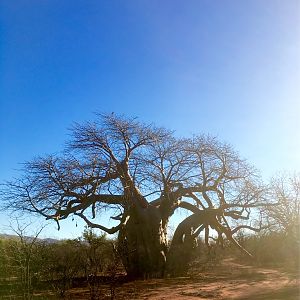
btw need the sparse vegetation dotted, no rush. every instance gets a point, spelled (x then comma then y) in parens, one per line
(29, 265)
(90, 267)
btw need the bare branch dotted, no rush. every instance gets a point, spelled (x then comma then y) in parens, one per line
(94, 225)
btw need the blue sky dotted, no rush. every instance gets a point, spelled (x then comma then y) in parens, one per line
(228, 68)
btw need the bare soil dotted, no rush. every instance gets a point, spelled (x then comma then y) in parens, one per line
(227, 280)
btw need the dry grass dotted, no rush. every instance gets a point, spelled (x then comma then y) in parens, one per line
(228, 280)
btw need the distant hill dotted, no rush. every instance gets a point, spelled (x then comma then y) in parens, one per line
(7, 236)
(13, 236)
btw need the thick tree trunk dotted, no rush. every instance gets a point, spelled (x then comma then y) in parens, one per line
(143, 243)
(184, 241)
(182, 248)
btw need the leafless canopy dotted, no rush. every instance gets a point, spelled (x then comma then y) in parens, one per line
(117, 162)
(285, 215)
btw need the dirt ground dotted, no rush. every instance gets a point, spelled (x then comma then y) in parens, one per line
(228, 280)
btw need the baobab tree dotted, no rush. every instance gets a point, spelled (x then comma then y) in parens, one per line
(142, 174)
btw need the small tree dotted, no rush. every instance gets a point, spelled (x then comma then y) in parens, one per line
(99, 256)
(63, 261)
(284, 217)
(22, 255)
(3, 260)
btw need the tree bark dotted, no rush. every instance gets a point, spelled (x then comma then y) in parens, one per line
(184, 241)
(143, 243)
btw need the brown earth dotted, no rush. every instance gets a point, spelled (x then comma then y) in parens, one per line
(228, 280)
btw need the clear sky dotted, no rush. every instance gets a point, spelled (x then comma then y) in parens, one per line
(230, 68)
